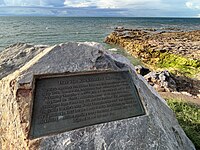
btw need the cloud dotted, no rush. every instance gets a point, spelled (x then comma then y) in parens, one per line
(50, 11)
(193, 4)
(2, 3)
(55, 3)
(22, 2)
(32, 11)
(48, 3)
(79, 3)
(112, 3)
(127, 3)
(129, 8)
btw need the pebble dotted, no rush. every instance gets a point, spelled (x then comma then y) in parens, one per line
(186, 93)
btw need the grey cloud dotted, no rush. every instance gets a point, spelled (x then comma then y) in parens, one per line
(60, 8)
(2, 3)
(52, 3)
(55, 3)
(62, 11)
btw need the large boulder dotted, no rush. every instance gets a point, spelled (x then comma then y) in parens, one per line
(157, 129)
(16, 55)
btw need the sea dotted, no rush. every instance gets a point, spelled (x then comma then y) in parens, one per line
(55, 30)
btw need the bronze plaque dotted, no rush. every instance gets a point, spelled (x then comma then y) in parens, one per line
(66, 102)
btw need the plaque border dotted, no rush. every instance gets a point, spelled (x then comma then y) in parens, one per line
(68, 74)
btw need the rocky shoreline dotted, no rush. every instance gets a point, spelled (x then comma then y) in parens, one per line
(173, 58)
(166, 82)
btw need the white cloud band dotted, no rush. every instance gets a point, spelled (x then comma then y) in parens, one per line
(193, 4)
(111, 3)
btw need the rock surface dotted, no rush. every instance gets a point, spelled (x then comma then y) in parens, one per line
(16, 56)
(158, 129)
(177, 51)
(164, 81)
(142, 70)
(161, 81)
(183, 43)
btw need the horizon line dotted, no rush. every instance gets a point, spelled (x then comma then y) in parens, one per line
(186, 17)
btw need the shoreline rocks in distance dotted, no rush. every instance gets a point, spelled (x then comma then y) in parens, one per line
(179, 52)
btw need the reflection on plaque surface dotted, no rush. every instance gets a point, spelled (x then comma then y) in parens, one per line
(66, 102)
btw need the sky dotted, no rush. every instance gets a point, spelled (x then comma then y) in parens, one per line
(103, 8)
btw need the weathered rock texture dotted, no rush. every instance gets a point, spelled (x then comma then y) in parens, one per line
(158, 129)
(16, 56)
(164, 81)
(177, 51)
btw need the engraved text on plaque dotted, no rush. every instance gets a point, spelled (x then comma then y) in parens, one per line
(68, 102)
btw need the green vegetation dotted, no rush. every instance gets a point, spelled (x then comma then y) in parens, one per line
(174, 63)
(188, 116)
(183, 65)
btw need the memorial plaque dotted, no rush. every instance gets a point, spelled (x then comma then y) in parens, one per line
(66, 102)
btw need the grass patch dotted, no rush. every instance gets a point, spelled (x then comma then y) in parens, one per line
(184, 65)
(188, 116)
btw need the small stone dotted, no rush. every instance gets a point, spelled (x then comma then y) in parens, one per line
(142, 70)
(159, 88)
(174, 92)
(186, 93)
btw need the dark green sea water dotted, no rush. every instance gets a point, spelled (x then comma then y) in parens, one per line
(54, 30)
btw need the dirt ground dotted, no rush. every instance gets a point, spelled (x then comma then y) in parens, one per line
(169, 95)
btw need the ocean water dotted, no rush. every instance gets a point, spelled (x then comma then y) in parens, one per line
(54, 30)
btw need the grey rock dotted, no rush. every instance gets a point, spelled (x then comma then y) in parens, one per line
(142, 70)
(158, 129)
(119, 28)
(163, 79)
(75, 60)
(16, 55)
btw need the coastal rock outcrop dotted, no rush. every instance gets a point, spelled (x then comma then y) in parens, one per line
(177, 51)
(164, 81)
(161, 81)
(157, 129)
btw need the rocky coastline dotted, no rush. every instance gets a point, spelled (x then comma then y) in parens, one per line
(171, 58)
